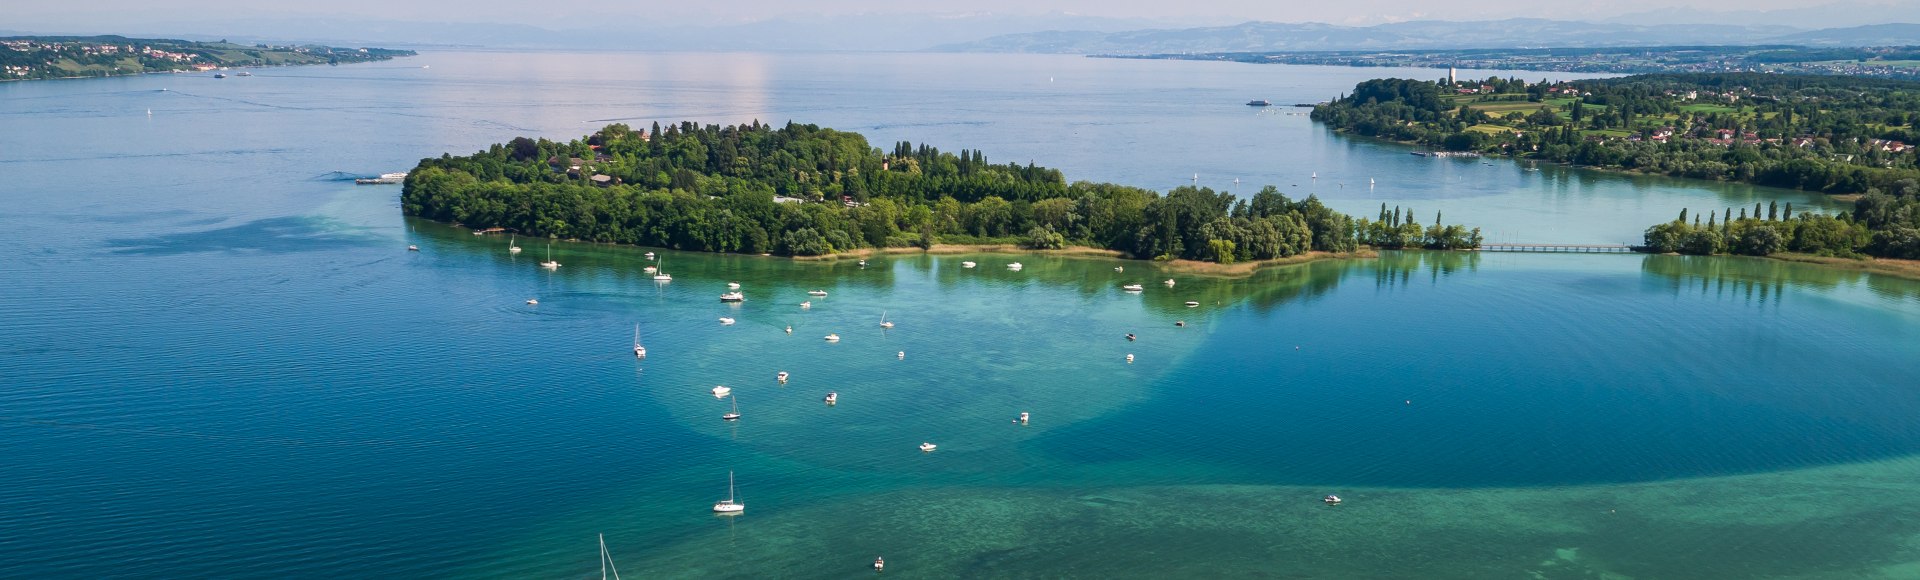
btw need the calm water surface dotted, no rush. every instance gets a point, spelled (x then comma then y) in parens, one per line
(222, 362)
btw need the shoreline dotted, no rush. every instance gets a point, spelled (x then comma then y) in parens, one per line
(1191, 267)
(1897, 268)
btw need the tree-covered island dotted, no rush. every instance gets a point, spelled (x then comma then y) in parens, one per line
(803, 190)
(55, 57)
(1831, 134)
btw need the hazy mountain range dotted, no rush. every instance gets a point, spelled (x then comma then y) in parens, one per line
(1431, 34)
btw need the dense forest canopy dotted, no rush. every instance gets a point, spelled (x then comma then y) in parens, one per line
(1819, 133)
(805, 190)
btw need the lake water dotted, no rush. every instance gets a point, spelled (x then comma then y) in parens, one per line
(222, 362)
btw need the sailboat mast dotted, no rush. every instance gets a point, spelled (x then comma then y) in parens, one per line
(730, 482)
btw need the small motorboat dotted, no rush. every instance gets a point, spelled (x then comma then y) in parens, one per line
(1129, 357)
(1119, 268)
(924, 446)
(649, 255)
(832, 397)
(832, 338)
(1179, 323)
(721, 391)
(1133, 288)
(816, 292)
(650, 269)
(879, 564)
(863, 263)
(903, 355)
(533, 300)
(1131, 337)
(1192, 304)
(733, 297)
(733, 285)
(968, 264)
(789, 330)
(1023, 417)
(413, 248)
(724, 321)
(1015, 266)
(807, 304)
(782, 376)
(1331, 500)
(1169, 282)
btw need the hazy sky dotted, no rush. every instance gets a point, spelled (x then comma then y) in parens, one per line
(590, 13)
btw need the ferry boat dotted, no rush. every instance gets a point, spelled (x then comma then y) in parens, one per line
(1259, 103)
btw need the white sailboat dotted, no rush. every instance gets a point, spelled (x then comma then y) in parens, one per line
(884, 323)
(638, 351)
(660, 274)
(550, 264)
(729, 505)
(511, 248)
(735, 415)
(606, 560)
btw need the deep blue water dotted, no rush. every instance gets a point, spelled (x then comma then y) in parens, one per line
(221, 362)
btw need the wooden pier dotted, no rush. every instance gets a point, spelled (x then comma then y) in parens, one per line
(1580, 248)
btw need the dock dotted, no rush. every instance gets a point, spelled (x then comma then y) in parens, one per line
(1579, 248)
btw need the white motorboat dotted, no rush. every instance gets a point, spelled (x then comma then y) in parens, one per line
(902, 355)
(533, 301)
(733, 285)
(816, 292)
(863, 263)
(511, 248)
(968, 264)
(1331, 500)
(884, 323)
(1015, 266)
(832, 397)
(879, 564)
(833, 338)
(1169, 282)
(807, 304)
(927, 446)
(733, 297)
(413, 248)
(638, 351)
(721, 391)
(782, 376)
(1119, 268)
(1133, 288)
(731, 505)
(649, 255)
(725, 321)
(733, 415)
(1023, 417)
(649, 269)
(1192, 304)
(1129, 357)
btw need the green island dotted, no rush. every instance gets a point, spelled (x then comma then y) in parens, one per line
(1836, 135)
(58, 57)
(802, 190)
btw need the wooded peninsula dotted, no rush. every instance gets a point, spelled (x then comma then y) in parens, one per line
(56, 57)
(802, 190)
(1836, 135)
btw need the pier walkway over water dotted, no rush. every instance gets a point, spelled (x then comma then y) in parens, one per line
(1586, 248)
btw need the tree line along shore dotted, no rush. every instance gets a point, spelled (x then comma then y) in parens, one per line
(803, 190)
(1829, 134)
(55, 57)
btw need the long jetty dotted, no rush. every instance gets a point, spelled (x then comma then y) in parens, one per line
(1581, 248)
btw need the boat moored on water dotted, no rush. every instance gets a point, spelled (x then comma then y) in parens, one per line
(1331, 500)
(413, 248)
(832, 338)
(782, 376)
(533, 301)
(733, 415)
(884, 323)
(1192, 304)
(733, 285)
(724, 321)
(733, 297)
(1169, 282)
(730, 505)
(924, 446)
(1023, 416)
(1259, 103)
(968, 264)
(1133, 288)
(1015, 266)
(720, 391)
(832, 397)
(879, 564)
(816, 292)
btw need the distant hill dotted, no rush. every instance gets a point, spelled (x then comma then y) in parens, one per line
(1871, 35)
(1428, 35)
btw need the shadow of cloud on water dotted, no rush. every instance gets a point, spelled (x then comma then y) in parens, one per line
(278, 235)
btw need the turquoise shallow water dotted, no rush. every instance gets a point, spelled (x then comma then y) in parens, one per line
(221, 361)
